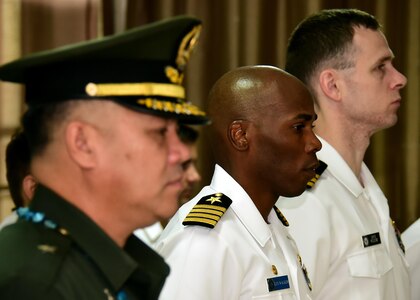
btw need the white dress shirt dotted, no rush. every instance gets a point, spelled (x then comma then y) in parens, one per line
(150, 234)
(237, 258)
(330, 223)
(411, 239)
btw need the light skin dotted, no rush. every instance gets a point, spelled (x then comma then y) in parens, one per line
(360, 100)
(262, 133)
(124, 173)
(191, 176)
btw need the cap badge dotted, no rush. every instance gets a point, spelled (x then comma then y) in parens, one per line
(186, 47)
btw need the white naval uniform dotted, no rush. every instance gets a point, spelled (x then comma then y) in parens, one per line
(235, 258)
(411, 239)
(328, 222)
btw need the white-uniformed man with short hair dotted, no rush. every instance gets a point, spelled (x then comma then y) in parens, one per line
(342, 224)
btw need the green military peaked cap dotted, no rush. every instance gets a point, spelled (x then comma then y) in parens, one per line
(141, 68)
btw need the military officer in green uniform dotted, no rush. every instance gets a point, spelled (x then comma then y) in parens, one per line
(102, 128)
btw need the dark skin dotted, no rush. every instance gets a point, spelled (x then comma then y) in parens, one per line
(261, 132)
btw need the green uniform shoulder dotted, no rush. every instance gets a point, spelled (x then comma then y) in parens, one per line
(38, 254)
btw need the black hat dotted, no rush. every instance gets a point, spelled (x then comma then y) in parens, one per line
(141, 68)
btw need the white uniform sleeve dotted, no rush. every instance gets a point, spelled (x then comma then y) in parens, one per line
(411, 239)
(202, 266)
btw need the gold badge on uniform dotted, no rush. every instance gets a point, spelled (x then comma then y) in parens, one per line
(305, 272)
(47, 248)
(274, 269)
(281, 217)
(398, 236)
(108, 294)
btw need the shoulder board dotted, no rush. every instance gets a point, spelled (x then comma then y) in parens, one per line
(281, 217)
(321, 168)
(208, 211)
(46, 251)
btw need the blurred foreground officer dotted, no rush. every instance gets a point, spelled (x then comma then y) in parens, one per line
(102, 129)
(190, 178)
(230, 242)
(342, 224)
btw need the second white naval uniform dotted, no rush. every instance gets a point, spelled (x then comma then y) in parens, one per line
(242, 257)
(411, 239)
(345, 235)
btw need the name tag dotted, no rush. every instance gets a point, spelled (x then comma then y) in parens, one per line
(278, 283)
(371, 239)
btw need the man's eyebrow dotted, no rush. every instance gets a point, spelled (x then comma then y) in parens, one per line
(307, 117)
(186, 163)
(385, 58)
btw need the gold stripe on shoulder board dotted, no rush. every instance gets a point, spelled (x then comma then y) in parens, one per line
(281, 217)
(208, 211)
(318, 171)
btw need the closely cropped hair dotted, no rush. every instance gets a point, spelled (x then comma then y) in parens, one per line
(325, 38)
(18, 161)
(38, 122)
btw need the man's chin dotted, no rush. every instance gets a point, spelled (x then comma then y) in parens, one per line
(294, 193)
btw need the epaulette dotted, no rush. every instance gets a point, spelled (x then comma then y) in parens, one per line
(281, 217)
(44, 253)
(321, 168)
(208, 211)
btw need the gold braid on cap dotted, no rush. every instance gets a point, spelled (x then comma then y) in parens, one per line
(172, 107)
(185, 49)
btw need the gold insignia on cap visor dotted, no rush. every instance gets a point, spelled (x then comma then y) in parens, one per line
(135, 89)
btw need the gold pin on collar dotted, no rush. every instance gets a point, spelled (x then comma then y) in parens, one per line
(47, 248)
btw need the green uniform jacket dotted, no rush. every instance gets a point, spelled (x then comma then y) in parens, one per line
(77, 261)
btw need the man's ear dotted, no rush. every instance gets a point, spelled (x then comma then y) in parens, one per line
(28, 188)
(80, 142)
(328, 81)
(237, 135)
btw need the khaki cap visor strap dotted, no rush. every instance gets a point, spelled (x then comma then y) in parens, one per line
(135, 89)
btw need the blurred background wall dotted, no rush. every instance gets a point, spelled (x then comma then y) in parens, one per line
(235, 33)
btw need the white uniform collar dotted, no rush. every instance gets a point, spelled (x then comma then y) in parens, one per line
(242, 205)
(338, 168)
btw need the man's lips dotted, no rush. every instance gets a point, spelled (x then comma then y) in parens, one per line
(396, 102)
(176, 181)
(313, 166)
